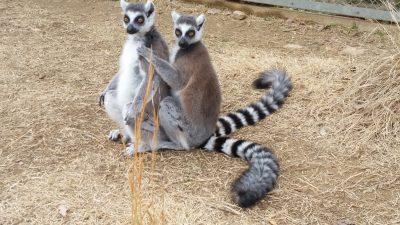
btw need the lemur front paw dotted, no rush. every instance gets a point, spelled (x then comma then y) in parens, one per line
(129, 113)
(114, 135)
(144, 52)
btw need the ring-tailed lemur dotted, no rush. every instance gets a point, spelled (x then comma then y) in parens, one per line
(123, 96)
(190, 114)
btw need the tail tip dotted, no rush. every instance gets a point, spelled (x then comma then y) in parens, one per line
(244, 200)
(260, 83)
(271, 78)
(245, 197)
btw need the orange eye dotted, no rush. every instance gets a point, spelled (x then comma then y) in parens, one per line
(178, 33)
(190, 34)
(126, 19)
(140, 20)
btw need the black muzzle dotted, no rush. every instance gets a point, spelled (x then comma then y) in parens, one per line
(183, 43)
(131, 29)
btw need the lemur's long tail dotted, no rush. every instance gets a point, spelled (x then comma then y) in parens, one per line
(262, 174)
(279, 86)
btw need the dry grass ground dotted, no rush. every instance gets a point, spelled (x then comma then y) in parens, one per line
(56, 56)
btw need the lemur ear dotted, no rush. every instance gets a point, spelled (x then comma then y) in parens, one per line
(149, 7)
(200, 21)
(123, 4)
(175, 16)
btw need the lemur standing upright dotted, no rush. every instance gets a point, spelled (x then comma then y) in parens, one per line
(123, 96)
(189, 116)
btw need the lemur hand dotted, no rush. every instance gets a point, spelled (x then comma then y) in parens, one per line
(144, 52)
(101, 98)
(129, 113)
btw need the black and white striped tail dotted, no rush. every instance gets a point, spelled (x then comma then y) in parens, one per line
(279, 85)
(262, 174)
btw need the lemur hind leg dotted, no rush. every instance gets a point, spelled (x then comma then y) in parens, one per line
(163, 141)
(114, 112)
(178, 128)
(147, 132)
(147, 144)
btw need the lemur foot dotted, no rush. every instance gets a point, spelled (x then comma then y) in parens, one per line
(114, 135)
(130, 150)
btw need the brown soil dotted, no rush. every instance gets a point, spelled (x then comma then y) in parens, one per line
(56, 56)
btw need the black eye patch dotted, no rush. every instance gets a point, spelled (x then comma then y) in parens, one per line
(190, 33)
(126, 19)
(178, 32)
(139, 20)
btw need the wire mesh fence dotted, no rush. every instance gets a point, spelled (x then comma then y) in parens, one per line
(372, 4)
(383, 10)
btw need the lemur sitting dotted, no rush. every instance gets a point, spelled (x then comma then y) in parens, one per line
(123, 96)
(190, 114)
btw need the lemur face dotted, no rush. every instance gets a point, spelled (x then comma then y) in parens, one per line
(138, 18)
(188, 29)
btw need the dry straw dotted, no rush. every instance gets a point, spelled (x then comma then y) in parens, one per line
(142, 214)
(371, 102)
(367, 110)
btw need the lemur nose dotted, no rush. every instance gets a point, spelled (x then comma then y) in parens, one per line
(131, 29)
(183, 43)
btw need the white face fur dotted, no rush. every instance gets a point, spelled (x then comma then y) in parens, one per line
(138, 18)
(188, 30)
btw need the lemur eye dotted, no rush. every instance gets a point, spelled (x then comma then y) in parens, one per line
(140, 20)
(126, 19)
(178, 32)
(190, 33)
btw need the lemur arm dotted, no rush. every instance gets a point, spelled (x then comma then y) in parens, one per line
(112, 85)
(167, 72)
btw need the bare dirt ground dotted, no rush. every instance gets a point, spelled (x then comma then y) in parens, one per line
(56, 56)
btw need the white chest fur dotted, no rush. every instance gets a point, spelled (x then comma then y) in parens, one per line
(174, 51)
(130, 72)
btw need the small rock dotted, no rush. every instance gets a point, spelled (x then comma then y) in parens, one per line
(227, 13)
(323, 131)
(42, 76)
(63, 210)
(272, 222)
(290, 20)
(293, 46)
(214, 11)
(352, 51)
(345, 222)
(239, 15)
